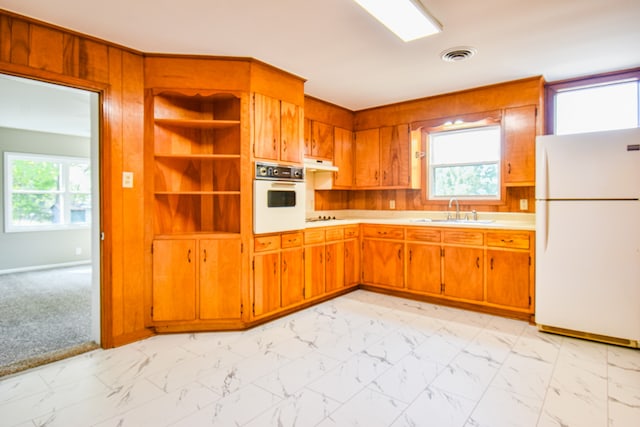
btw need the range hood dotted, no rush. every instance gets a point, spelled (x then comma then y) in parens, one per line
(313, 165)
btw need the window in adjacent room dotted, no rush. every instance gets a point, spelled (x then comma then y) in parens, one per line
(46, 192)
(595, 103)
(464, 163)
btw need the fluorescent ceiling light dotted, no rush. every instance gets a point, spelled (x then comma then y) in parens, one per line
(408, 19)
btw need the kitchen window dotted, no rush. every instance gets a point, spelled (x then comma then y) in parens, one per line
(464, 163)
(45, 192)
(596, 103)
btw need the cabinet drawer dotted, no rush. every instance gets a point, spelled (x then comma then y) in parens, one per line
(290, 240)
(266, 243)
(313, 236)
(334, 234)
(351, 232)
(464, 237)
(508, 239)
(384, 232)
(424, 234)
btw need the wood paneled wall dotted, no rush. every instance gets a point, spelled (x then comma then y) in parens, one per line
(528, 91)
(40, 51)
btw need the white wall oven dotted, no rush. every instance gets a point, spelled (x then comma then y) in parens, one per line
(278, 198)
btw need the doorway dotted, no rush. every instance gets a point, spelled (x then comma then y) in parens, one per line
(50, 232)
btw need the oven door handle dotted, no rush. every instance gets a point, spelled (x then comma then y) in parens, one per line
(283, 184)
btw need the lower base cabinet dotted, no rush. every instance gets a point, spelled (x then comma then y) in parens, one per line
(266, 283)
(292, 280)
(196, 279)
(508, 278)
(383, 263)
(423, 268)
(463, 270)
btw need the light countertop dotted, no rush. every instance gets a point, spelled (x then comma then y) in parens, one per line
(486, 220)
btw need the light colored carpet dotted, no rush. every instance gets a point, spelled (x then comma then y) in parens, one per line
(43, 316)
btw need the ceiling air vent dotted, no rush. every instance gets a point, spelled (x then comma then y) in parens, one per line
(457, 54)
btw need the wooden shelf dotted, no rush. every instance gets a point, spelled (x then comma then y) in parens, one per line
(200, 124)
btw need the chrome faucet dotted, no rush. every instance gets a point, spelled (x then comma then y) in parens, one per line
(453, 199)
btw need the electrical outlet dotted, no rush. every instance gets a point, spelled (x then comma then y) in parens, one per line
(392, 204)
(127, 179)
(524, 204)
(78, 251)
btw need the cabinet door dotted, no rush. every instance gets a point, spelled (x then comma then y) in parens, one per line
(321, 141)
(351, 262)
(174, 280)
(220, 279)
(463, 269)
(314, 271)
(395, 165)
(343, 158)
(367, 157)
(383, 263)
(508, 278)
(334, 269)
(423, 268)
(520, 141)
(266, 283)
(266, 127)
(292, 282)
(291, 132)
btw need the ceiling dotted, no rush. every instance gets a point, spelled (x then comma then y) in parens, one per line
(351, 60)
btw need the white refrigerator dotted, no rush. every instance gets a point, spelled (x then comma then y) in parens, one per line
(588, 235)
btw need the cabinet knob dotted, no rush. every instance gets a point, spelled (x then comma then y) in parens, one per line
(478, 262)
(189, 255)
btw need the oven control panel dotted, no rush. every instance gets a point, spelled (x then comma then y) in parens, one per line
(276, 172)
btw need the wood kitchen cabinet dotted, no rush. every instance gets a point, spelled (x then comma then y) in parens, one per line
(292, 269)
(196, 279)
(395, 165)
(220, 265)
(174, 280)
(351, 255)
(343, 158)
(509, 270)
(266, 275)
(314, 262)
(367, 157)
(334, 259)
(519, 145)
(278, 127)
(424, 256)
(383, 256)
(463, 266)
(385, 158)
(463, 270)
(318, 140)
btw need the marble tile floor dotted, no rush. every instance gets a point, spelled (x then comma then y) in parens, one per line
(362, 359)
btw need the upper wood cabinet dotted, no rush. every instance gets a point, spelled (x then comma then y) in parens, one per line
(318, 140)
(343, 158)
(519, 145)
(367, 157)
(277, 129)
(395, 165)
(385, 158)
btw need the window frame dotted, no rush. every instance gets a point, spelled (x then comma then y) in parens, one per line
(461, 122)
(604, 79)
(65, 193)
(432, 166)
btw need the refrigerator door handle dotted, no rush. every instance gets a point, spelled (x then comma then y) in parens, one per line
(543, 225)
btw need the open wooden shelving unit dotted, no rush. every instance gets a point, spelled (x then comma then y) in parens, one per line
(196, 161)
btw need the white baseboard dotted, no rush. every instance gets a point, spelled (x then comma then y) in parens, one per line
(44, 267)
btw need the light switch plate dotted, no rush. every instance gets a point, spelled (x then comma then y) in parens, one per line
(127, 179)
